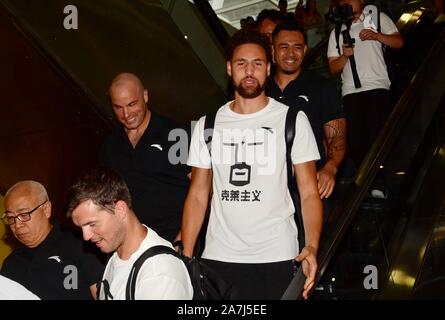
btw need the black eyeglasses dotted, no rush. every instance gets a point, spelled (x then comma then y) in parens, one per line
(23, 217)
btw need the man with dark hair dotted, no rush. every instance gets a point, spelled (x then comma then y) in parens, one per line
(267, 20)
(101, 205)
(316, 96)
(139, 150)
(252, 237)
(52, 263)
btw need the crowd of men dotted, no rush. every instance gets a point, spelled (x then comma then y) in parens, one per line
(139, 199)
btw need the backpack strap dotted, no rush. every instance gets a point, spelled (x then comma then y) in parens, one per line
(289, 134)
(150, 252)
(209, 125)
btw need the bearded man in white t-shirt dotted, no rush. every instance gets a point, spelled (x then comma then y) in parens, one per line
(366, 107)
(252, 238)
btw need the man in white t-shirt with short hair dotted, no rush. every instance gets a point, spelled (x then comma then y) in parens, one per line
(252, 238)
(367, 107)
(101, 205)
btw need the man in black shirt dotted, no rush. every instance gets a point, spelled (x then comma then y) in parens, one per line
(52, 263)
(139, 151)
(317, 97)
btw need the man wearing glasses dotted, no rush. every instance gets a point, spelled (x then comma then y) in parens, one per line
(51, 263)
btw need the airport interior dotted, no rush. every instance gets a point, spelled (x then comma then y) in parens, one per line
(56, 114)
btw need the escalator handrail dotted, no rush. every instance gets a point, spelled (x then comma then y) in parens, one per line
(412, 97)
(212, 20)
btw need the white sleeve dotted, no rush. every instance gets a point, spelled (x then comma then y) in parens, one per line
(199, 154)
(304, 148)
(163, 277)
(332, 45)
(387, 25)
(161, 287)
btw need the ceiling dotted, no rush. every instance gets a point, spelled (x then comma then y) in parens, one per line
(232, 11)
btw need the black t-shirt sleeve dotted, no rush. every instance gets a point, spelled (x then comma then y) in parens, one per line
(331, 102)
(7, 270)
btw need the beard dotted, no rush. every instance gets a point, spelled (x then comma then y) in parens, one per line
(249, 92)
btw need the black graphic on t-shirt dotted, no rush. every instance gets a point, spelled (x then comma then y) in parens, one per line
(240, 172)
(244, 196)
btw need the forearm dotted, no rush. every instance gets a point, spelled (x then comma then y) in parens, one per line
(311, 206)
(337, 64)
(312, 213)
(394, 40)
(192, 220)
(335, 134)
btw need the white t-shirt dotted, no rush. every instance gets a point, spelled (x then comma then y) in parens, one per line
(251, 218)
(11, 290)
(371, 67)
(162, 277)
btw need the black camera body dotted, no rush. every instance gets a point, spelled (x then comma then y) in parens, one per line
(340, 14)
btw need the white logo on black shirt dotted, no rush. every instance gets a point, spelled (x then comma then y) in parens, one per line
(156, 145)
(304, 97)
(57, 258)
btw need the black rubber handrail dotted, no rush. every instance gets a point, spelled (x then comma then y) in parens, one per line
(212, 20)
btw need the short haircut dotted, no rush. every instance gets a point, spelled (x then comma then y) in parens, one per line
(289, 25)
(271, 14)
(248, 36)
(103, 186)
(32, 188)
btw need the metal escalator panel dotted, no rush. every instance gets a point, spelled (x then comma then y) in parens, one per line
(410, 259)
(122, 35)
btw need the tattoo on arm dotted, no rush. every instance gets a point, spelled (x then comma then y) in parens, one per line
(335, 135)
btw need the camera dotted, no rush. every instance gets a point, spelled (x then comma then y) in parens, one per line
(340, 14)
(347, 40)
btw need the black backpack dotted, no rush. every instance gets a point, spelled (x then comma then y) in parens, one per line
(289, 136)
(207, 284)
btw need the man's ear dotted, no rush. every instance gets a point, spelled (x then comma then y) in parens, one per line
(47, 209)
(305, 49)
(120, 209)
(268, 69)
(145, 95)
(229, 68)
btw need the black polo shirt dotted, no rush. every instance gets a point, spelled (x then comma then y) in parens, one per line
(316, 96)
(61, 267)
(158, 188)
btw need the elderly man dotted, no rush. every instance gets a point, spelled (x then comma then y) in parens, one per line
(101, 205)
(139, 151)
(51, 263)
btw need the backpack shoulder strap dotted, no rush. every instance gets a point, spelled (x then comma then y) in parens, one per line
(289, 134)
(150, 252)
(379, 26)
(209, 125)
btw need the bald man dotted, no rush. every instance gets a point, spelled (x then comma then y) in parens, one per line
(139, 151)
(52, 263)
